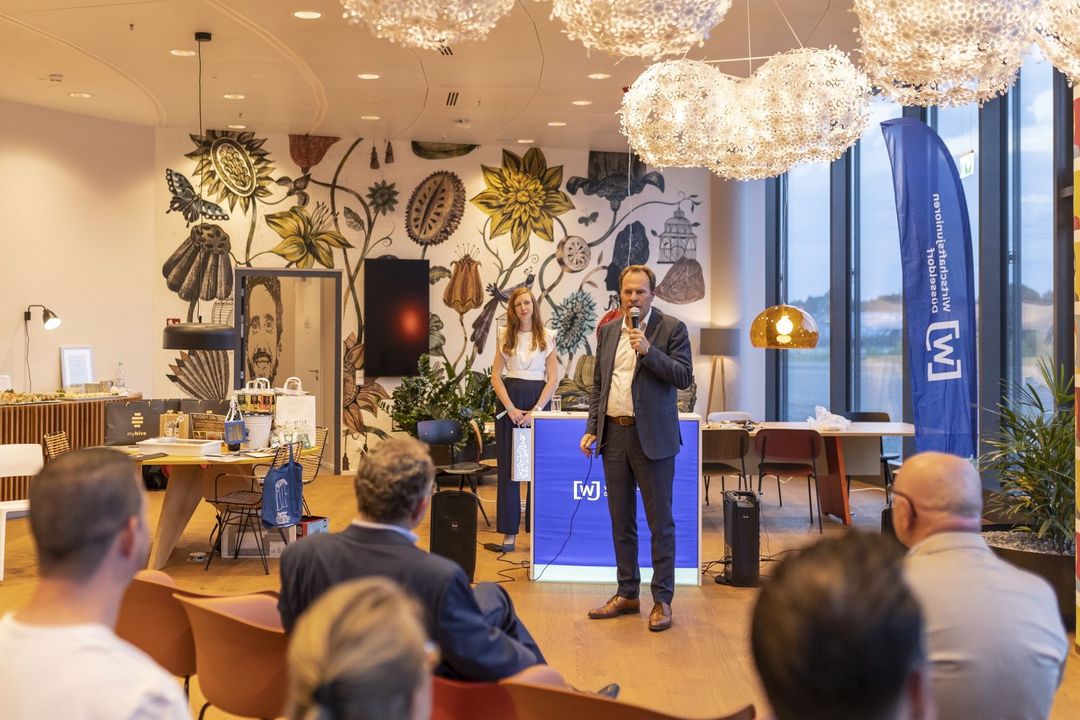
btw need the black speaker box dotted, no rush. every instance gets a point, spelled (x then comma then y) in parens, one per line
(742, 543)
(453, 528)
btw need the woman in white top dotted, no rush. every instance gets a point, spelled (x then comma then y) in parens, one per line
(524, 377)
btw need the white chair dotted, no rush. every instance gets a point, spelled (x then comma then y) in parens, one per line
(16, 461)
(730, 416)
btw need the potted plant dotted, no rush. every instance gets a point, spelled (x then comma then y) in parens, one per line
(1033, 456)
(438, 392)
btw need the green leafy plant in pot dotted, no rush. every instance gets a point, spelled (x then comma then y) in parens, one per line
(1033, 456)
(439, 392)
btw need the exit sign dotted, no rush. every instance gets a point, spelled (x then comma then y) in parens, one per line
(965, 164)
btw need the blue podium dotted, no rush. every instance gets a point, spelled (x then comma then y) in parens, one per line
(571, 526)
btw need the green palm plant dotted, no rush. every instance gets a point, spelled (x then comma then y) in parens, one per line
(1034, 456)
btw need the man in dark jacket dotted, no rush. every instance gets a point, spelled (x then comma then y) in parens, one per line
(478, 632)
(641, 364)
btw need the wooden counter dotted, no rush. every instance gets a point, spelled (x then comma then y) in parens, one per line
(84, 421)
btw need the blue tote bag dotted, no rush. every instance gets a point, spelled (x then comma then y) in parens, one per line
(283, 494)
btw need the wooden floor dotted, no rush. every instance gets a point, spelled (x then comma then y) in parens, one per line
(700, 668)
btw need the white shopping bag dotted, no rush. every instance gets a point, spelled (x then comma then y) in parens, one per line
(294, 415)
(521, 455)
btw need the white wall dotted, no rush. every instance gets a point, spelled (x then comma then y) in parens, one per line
(78, 237)
(738, 286)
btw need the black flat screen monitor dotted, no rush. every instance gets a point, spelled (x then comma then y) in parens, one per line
(397, 311)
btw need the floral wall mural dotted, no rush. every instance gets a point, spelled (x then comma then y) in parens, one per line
(563, 223)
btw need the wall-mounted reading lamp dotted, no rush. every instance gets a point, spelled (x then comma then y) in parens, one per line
(49, 319)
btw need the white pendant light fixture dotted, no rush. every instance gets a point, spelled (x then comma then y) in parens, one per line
(1057, 32)
(427, 24)
(640, 28)
(669, 113)
(944, 52)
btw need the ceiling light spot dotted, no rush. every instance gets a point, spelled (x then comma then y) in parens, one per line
(238, 127)
(556, 123)
(368, 76)
(581, 103)
(233, 96)
(80, 95)
(307, 15)
(599, 76)
(526, 141)
(369, 117)
(182, 52)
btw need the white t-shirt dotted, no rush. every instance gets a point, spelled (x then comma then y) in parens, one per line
(526, 363)
(81, 672)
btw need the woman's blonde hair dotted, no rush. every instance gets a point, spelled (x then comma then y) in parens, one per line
(513, 325)
(358, 653)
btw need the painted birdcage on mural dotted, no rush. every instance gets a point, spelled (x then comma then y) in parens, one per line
(678, 240)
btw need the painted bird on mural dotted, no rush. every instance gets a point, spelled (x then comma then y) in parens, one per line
(482, 324)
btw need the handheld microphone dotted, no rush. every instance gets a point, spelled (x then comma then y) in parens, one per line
(635, 317)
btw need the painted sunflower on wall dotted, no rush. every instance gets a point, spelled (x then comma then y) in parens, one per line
(233, 167)
(522, 197)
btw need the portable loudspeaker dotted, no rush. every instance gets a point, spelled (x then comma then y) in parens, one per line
(742, 543)
(453, 528)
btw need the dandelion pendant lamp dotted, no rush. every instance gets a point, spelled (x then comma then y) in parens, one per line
(427, 24)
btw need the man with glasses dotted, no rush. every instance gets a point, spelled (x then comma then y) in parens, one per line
(996, 643)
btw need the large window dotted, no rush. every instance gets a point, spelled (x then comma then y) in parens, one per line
(806, 282)
(959, 128)
(878, 310)
(1030, 317)
(863, 368)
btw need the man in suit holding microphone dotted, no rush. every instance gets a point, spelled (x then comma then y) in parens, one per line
(641, 363)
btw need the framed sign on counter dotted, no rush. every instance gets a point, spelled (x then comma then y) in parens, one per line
(76, 365)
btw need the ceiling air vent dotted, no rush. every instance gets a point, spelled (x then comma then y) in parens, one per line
(445, 50)
(451, 98)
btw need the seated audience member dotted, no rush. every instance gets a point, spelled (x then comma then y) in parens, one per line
(358, 653)
(994, 635)
(59, 656)
(477, 631)
(837, 635)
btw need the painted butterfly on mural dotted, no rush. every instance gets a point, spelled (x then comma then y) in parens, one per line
(587, 220)
(186, 201)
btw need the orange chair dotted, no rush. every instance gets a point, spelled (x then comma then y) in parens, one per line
(152, 619)
(457, 700)
(544, 702)
(240, 650)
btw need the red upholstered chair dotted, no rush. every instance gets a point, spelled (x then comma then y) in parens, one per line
(457, 700)
(545, 702)
(792, 453)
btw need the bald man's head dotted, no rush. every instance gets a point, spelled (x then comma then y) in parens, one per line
(943, 493)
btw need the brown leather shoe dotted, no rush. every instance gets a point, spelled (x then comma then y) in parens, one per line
(660, 617)
(616, 606)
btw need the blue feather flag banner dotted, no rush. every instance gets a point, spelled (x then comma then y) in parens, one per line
(939, 291)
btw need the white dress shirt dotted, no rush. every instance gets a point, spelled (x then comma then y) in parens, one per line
(620, 400)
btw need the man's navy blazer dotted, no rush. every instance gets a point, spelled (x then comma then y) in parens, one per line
(471, 648)
(659, 375)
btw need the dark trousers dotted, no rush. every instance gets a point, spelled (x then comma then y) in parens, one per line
(523, 394)
(625, 469)
(498, 610)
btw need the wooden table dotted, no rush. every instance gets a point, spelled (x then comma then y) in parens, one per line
(853, 451)
(190, 480)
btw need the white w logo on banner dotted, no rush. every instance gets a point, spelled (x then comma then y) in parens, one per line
(946, 333)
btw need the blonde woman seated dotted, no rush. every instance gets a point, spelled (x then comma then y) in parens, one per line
(360, 653)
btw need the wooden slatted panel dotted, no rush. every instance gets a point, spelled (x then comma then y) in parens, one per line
(84, 421)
